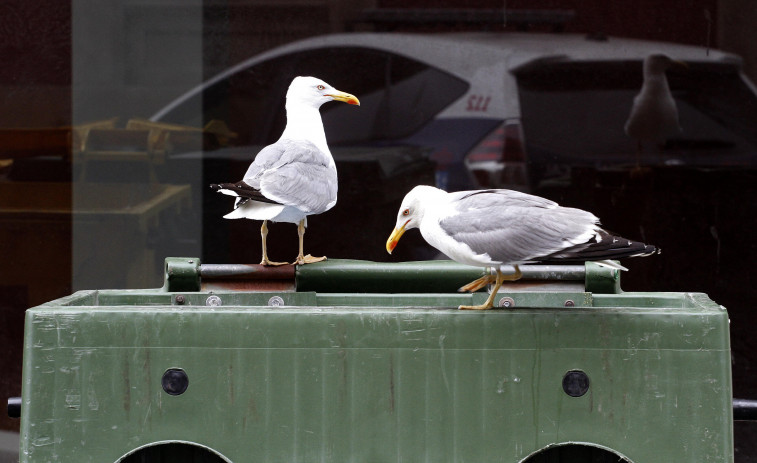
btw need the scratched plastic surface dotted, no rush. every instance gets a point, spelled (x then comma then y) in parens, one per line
(376, 378)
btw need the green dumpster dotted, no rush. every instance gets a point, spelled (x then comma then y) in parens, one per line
(348, 361)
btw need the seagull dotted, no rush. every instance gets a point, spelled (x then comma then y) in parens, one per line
(654, 114)
(296, 176)
(493, 228)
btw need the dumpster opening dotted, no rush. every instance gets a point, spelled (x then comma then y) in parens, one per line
(576, 453)
(173, 452)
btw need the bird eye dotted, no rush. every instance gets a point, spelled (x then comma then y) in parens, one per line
(321, 87)
(406, 212)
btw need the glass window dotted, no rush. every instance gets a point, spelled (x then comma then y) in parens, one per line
(96, 190)
(574, 114)
(398, 95)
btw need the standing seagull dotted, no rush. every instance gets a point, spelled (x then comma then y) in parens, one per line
(296, 176)
(492, 228)
(654, 115)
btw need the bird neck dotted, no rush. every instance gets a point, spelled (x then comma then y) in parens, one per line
(655, 81)
(304, 123)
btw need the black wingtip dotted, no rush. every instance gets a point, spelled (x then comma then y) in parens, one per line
(608, 247)
(242, 190)
(650, 250)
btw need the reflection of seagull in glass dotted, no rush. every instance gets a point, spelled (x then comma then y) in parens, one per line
(296, 176)
(654, 115)
(495, 228)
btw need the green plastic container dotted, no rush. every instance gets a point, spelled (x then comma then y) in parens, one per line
(578, 372)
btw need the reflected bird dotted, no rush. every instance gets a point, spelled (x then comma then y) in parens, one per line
(296, 176)
(493, 228)
(654, 115)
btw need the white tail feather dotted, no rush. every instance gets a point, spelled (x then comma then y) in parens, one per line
(255, 210)
(228, 192)
(610, 264)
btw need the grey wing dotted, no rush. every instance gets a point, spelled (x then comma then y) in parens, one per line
(493, 198)
(311, 188)
(263, 161)
(515, 227)
(279, 154)
(295, 173)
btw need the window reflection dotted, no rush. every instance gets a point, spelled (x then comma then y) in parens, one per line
(574, 113)
(95, 193)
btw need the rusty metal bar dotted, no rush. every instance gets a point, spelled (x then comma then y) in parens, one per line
(247, 277)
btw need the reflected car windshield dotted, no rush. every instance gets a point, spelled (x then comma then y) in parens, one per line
(576, 112)
(398, 95)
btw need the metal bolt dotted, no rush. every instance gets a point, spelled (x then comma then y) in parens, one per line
(175, 381)
(213, 301)
(506, 302)
(276, 301)
(180, 299)
(569, 303)
(575, 383)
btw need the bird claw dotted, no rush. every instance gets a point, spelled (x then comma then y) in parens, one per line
(477, 284)
(476, 307)
(308, 259)
(270, 263)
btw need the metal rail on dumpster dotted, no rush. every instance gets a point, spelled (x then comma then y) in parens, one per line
(744, 410)
(14, 407)
(242, 277)
(345, 276)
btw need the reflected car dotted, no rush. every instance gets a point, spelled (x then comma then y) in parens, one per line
(465, 111)
(490, 109)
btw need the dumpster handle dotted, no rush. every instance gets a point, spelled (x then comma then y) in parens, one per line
(14, 407)
(744, 410)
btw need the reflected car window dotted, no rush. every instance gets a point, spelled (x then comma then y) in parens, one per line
(398, 95)
(575, 113)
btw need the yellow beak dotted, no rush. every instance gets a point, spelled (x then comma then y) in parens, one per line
(391, 243)
(344, 97)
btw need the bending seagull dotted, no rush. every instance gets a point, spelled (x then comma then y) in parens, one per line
(492, 228)
(654, 114)
(296, 176)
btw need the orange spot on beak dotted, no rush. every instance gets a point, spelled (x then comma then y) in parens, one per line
(394, 238)
(344, 97)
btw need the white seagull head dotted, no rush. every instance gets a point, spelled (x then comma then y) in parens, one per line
(657, 63)
(311, 91)
(412, 211)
